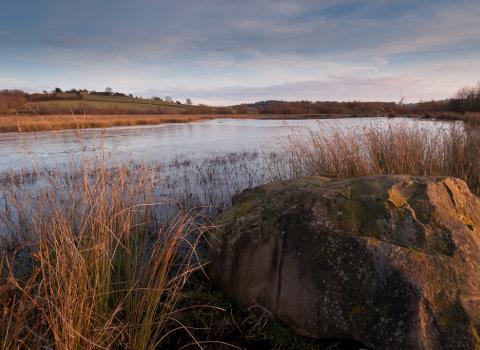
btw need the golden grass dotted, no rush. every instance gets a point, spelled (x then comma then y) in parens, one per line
(59, 122)
(400, 149)
(31, 123)
(93, 270)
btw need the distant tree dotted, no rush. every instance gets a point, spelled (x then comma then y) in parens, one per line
(155, 98)
(45, 91)
(243, 108)
(57, 90)
(168, 99)
(108, 90)
(188, 102)
(467, 99)
(130, 95)
(224, 110)
(178, 102)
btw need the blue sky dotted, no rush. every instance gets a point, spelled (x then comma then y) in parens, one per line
(225, 52)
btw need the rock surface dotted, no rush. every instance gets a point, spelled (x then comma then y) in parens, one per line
(390, 261)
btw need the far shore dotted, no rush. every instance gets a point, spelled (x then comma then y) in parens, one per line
(32, 123)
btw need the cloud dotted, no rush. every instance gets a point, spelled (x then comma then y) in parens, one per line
(387, 88)
(230, 51)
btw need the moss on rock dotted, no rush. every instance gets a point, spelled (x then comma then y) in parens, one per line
(390, 261)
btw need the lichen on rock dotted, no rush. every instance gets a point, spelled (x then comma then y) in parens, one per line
(390, 261)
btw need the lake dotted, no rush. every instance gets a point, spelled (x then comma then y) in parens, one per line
(163, 143)
(199, 165)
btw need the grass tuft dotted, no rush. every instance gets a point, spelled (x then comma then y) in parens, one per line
(451, 150)
(93, 269)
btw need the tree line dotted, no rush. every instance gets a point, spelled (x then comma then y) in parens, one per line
(467, 99)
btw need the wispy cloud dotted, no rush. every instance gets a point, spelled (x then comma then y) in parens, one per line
(386, 88)
(230, 51)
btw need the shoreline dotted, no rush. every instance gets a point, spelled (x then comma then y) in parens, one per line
(39, 123)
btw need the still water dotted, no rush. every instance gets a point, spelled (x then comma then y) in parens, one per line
(162, 143)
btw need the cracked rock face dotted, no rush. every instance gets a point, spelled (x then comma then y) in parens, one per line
(390, 261)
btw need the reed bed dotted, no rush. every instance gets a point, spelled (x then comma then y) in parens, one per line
(87, 266)
(34, 122)
(451, 150)
(108, 272)
(30, 123)
(52, 122)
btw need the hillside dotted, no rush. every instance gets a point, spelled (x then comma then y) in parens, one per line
(99, 103)
(96, 103)
(83, 102)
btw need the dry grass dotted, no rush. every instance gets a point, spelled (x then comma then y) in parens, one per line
(401, 149)
(102, 276)
(59, 122)
(89, 267)
(473, 117)
(32, 123)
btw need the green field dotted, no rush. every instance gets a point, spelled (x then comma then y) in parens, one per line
(103, 104)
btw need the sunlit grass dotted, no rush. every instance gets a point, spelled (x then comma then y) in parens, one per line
(89, 266)
(59, 122)
(451, 150)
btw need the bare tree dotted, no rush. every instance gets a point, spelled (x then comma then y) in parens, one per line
(467, 99)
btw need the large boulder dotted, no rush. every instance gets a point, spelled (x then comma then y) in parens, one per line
(390, 261)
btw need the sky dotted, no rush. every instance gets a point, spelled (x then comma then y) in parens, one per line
(228, 52)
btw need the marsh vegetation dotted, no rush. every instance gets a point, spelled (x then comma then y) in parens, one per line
(111, 254)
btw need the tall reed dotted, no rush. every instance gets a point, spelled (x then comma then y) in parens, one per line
(90, 267)
(451, 150)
